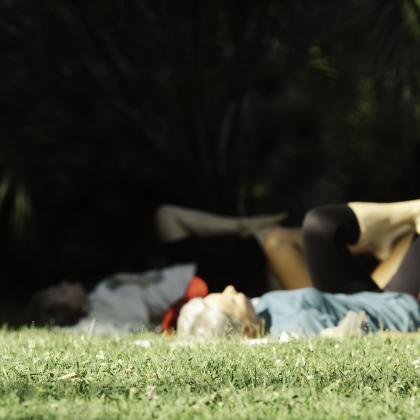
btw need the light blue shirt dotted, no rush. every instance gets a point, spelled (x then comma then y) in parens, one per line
(308, 311)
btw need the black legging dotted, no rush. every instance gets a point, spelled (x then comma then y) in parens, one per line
(327, 233)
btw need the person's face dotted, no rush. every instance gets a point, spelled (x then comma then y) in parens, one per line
(237, 306)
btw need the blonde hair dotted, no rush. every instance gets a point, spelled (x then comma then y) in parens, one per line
(198, 319)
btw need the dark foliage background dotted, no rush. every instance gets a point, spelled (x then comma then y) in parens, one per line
(109, 108)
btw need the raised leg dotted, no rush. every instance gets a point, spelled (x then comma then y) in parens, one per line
(284, 251)
(381, 224)
(328, 231)
(175, 223)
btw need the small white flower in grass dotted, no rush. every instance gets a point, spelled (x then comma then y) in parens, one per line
(278, 362)
(190, 342)
(284, 337)
(150, 392)
(416, 363)
(255, 341)
(69, 375)
(300, 361)
(143, 343)
(132, 392)
(101, 355)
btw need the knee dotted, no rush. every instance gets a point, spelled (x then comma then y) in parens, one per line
(166, 222)
(318, 223)
(272, 239)
(164, 212)
(280, 237)
(166, 215)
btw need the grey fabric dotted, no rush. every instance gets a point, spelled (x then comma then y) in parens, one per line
(132, 301)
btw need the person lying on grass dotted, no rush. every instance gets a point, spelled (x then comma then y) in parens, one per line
(329, 238)
(302, 312)
(331, 234)
(123, 302)
(134, 301)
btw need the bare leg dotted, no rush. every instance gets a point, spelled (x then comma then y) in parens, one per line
(387, 268)
(284, 250)
(175, 223)
(381, 224)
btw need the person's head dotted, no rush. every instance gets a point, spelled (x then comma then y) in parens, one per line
(219, 314)
(64, 304)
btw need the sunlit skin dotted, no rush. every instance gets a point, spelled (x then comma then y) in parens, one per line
(238, 307)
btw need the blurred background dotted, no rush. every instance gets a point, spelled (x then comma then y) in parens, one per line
(110, 108)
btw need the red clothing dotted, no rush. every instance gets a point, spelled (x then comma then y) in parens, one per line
(197, 287)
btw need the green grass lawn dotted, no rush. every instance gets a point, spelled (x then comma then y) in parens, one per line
(64, 375)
